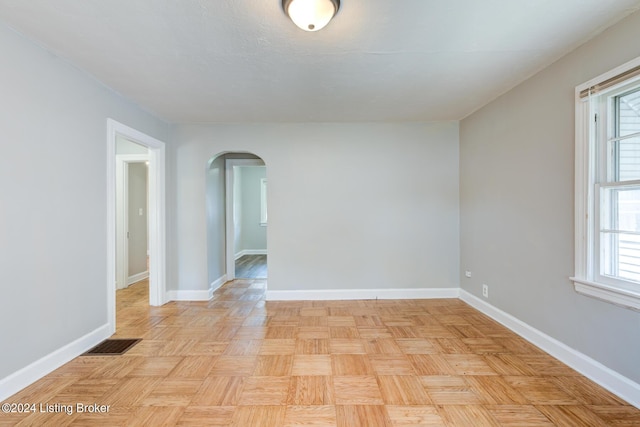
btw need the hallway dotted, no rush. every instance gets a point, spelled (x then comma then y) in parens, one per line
(251, 267)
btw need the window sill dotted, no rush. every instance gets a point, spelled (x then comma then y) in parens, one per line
(624, 297)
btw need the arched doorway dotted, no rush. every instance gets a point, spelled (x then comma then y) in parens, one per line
(236, 198)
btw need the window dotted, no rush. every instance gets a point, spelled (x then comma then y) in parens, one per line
(608, 187)
(263, 201)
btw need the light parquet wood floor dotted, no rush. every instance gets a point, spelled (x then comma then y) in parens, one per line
(238, 360)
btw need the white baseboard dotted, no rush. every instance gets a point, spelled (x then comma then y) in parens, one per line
(250, 252)
(137, 277)
(29, 374)
(178, 295)
(216, 284)
(616, 383)
(352, 294)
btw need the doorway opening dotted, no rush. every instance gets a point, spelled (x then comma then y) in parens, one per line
(236, 218)
(152, 151)
(132, 203)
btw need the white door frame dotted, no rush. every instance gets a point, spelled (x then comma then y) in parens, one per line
(157, 234)
(122, 215)
(230, 226)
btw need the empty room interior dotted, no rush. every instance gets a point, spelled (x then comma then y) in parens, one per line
(320, 212)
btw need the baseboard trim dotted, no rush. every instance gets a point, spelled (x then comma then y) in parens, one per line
(250, 252)
(29, 374)
(353, 294)
(216, 284)
(137, 277)
(616, 383)
(179, 295)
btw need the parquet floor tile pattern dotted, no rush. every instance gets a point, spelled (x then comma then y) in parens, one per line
(238, 360)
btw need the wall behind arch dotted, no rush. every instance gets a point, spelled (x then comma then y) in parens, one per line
(215, 213)
(252, 236)
(351, 205)
(215, 210)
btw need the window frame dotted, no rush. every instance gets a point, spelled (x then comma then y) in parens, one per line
(589, 166)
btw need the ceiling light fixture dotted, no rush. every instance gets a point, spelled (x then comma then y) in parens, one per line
(311, 15)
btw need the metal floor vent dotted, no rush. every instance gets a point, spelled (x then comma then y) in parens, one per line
(112, 347)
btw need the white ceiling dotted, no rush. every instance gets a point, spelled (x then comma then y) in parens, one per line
(378, 60)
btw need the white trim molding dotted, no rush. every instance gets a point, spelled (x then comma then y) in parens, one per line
(137, 277)
(157, 216)
(355, 294)
(29, 374)
(628, 298)
(216, 284)
(590, 368)
(250, 252)
(202, 295)
(592, 122)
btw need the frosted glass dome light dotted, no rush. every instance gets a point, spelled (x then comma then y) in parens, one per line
(311, 15)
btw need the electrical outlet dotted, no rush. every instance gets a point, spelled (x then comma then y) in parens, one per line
(467, 273)
(485, 290)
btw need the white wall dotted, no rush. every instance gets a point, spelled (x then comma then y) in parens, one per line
(351, 205)
(53, 199)
(356, 206)
(138, 224)
(215, 223)
(237, 208)
(517, 225)
(124, 146)
(253, 235)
